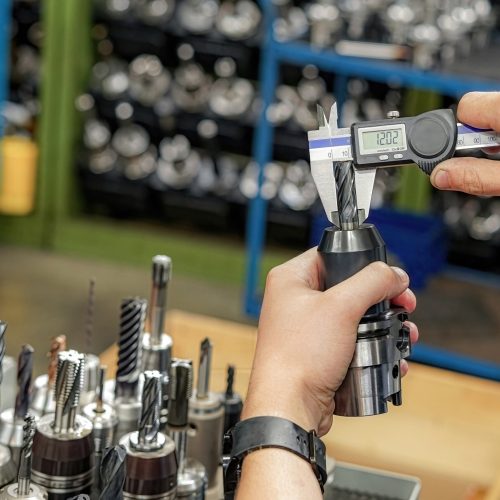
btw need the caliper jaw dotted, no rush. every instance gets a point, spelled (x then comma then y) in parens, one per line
(322, 170)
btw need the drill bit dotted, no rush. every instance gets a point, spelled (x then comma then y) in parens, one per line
(57, 344)
(24, 472)
(232, 401)
(162, 268)
(346, 194)
(113, 473)
(132, 317)
(3, 329)
(24, 372)
(202, 387)
(89, 323)
(230, 381)
(149, 423)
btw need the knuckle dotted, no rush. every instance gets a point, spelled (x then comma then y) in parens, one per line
(273, 276)
(471, 181)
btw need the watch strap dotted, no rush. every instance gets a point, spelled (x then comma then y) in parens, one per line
(271, 432)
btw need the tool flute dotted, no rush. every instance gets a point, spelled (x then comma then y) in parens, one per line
(12, 419)
(24, 488)
(63, 446)
(151, 464)
(127, 403)
(112, 473)
(7, 466)
(206, 415)
(156, 344)
(43, 401)
(191, 477)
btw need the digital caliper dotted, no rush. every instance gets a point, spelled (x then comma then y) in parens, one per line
(426, 140)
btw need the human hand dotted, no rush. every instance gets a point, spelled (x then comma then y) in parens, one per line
(306, 337)
(473, 175)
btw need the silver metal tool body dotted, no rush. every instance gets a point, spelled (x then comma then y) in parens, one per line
(191, 477)
(63, 445)
(206, 416)
(126, 391)
(12, 419)
(374, 376)
(151, 464)
(104, 422)
(7, 466)
(24, 488)
(156, 344)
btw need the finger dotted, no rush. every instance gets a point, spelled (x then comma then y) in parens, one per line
(480, 109)
(302, 271)
(470, 175)
(413, 331)
(407, 300)
(403, 367)
(373, 284)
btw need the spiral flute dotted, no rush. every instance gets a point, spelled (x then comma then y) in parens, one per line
(24, 473)
(24, 373)
(149, 423)
(132, 318)
(347, 204)
(112, 473)
(3, 329)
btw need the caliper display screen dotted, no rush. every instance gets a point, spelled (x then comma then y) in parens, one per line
(375, 140)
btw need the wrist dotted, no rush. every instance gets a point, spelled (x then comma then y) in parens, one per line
(289, 399)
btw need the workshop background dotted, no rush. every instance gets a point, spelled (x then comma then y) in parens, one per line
(138, 127)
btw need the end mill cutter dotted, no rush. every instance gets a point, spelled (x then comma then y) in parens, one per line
(63, 446)
(112, 473)
(24, 488)
(127, 403)
(206, 416)
(104, 422)
(151, 463)
(156, 344)
(191, 477)
(43, 401)
(233, 404)
(383, 340)
(12, 419)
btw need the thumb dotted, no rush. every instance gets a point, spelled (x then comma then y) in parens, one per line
(470, 175)
(373, 284)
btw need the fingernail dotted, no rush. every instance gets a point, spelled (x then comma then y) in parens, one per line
(442, 180)
(402, 274)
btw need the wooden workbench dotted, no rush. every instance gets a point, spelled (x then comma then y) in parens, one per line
(447, 432)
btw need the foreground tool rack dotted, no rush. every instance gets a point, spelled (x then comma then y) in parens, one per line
(58, 222)
(451, 437)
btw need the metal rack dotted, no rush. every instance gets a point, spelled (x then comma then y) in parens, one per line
(275, 53)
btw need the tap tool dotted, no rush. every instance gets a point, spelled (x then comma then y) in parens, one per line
(343, 165)
(43, 400)
(63, 446)
(127, 403)
(206, 416)
(12, 419)
(24, 488)
(151, 463)
(104, 422)
(156, 344)
(191, 477)
(112, 473)
(7, 466)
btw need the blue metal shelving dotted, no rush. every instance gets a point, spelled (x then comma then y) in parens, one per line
(5, 28)
(275, 53)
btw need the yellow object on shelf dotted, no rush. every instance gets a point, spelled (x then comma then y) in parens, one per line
(18, 175)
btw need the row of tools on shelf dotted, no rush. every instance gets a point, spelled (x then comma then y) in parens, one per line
(422, 31)
(144, 434)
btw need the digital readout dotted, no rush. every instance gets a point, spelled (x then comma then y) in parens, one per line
(376, 140)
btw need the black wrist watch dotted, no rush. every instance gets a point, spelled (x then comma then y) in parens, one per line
(270, 432)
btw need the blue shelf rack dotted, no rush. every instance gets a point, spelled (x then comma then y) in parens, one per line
(5, 30)
(275, 53)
